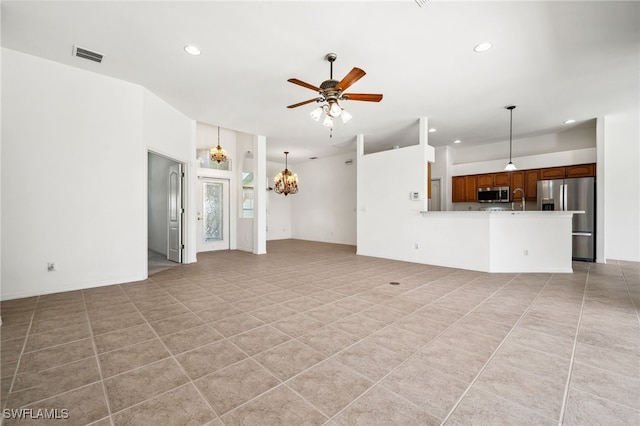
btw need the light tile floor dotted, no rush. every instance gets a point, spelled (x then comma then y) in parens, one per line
(310, 333)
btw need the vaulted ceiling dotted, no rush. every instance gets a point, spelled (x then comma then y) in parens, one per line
(554, 60)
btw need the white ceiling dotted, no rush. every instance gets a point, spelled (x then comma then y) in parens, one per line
(554, 60)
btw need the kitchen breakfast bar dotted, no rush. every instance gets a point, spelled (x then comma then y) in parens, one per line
(498, 241)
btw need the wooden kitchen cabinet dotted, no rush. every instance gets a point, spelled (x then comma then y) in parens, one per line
(458, 189)
(531, 178)
(552, 173)
(472, 188)
(502, 179)
(484, 181)
(517, 181)
(582, 170)
(465, 188)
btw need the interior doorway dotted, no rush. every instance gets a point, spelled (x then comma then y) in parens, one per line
(435, 202)
(165, 212)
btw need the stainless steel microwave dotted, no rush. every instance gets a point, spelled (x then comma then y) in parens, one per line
(498, 194)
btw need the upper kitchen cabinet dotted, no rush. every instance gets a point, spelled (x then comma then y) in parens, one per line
(458, 189)
(489, 180)
(485, 181)
(580, 170)
(531, 178)
(552, 173)
(517, 181)
(501, 179)
(472, 188)
(464, 188)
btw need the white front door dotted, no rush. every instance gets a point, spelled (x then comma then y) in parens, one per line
(174, 240)
(213, 215)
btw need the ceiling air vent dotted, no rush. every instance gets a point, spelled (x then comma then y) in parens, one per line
(81, 52)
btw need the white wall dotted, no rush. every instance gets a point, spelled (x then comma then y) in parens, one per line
(388, 219)
(324, 209)
(74, 175)
(278, 207)
(244, 164)
(621, 166)
(572, 139)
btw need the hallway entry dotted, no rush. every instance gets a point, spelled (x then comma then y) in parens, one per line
(165, 211)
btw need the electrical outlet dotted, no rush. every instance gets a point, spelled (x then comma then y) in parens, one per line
(51, 266)
(526, 252)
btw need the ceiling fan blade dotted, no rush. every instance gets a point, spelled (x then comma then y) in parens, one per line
(368, 97)
(303, 84)
(303, 103)
(353, 76)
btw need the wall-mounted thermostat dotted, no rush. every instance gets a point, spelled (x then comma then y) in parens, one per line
(415, 196)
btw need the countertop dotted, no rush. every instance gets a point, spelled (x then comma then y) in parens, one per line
(508, 213)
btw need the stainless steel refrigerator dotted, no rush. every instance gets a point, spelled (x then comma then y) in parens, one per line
(574, 194)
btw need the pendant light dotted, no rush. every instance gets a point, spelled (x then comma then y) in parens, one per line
(285, 182)
(218, 153)
(510, 167)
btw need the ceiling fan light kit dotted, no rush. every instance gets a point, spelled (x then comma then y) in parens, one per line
(331, 92)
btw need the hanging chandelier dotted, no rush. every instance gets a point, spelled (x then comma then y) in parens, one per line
(285, 182)
(510, 167)
(218, 153)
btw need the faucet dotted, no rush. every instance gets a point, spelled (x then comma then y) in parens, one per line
(523, 197)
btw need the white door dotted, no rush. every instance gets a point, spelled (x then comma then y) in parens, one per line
(213, 215)
(175, 214)
(434, 201)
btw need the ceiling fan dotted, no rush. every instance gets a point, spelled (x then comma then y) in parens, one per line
(331, 91)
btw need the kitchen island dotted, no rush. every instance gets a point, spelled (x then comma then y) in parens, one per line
(503, 241)
(488, 241)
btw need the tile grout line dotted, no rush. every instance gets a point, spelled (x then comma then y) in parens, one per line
(95, 351)
(484, 366)
(565, 395)
(24, 345)
(626, 281)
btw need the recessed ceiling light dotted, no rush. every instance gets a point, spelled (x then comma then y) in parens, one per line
(431, 130)
(457, 141)
(192, 50)
(569, 121)
(482, 47)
